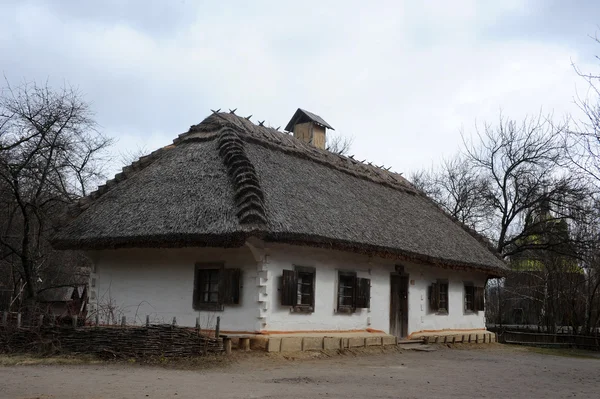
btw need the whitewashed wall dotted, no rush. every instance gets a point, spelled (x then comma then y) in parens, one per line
(421, 318)
(160, 283)
(327, 264)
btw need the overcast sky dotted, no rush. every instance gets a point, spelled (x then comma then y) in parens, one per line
(402, 78)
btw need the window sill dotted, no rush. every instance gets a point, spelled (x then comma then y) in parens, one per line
(441, 313)
(213, 307)
(345, 311)
(302, 309)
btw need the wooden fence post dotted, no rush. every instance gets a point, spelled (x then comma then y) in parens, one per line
(123, 321)
(5, 319)
(227, 345)
(19, 320)
(147, 320)
(97, 319)
(41, 320)
(218, 327)
(174, 321)
(74, 321)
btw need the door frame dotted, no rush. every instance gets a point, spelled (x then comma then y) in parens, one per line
(405, 318)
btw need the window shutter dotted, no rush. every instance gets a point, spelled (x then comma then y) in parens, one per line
(197, 285)
(289, 288)
(434, 297)
(356, 293)
(312, 292)
(479, 298)
(230, 286)
(362, 292)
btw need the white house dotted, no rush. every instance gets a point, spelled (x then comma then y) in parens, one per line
(273, 233)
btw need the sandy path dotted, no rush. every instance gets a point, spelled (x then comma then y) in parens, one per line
(445, 373)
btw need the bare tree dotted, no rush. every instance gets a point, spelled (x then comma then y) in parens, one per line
(457, 187)
(586, 229)
(534, 201)
(339, 144)
(583, 140)
(129, 156)
(582, 144)
(522, 164)
(50, 155)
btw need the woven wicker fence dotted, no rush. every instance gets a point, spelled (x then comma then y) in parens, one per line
(109, 341)
(550, 340)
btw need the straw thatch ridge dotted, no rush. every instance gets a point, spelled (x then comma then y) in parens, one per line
(285, 142)
(248, 195)
(227, 179)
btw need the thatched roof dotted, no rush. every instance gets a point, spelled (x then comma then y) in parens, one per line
(227, 179)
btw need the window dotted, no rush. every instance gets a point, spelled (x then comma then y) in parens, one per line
(298, 289)
(469, 297)
(479, 299)
(438, 297)
(215, 286)
(346, 290)
(209, 287)
(305, 287)
(353, 292)
(443, 299)
(474, 301)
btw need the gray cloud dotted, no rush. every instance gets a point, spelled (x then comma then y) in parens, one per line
(402, 77)
(154, 17)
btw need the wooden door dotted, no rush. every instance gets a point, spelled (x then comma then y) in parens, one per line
(399, 305)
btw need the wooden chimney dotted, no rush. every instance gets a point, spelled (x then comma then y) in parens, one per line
(309, 127)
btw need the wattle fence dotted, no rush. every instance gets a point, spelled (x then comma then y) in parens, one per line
(162, 340)
(549, 340)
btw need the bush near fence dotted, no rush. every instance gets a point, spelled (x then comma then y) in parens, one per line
(163, 340)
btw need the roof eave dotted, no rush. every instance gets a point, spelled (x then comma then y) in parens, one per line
(394, 253)
(235, 240)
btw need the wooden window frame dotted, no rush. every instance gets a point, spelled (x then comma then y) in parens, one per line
(446, 284)
(306, 307)
(479, 299)
(362, 299)
(346, 309)
(229, 285)
(469, 286)
(436, 290)
(290, 289)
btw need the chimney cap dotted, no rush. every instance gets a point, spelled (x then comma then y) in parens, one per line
(302, 116)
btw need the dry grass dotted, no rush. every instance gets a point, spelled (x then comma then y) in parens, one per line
(194, 363)
(185, 363)
(33, 360)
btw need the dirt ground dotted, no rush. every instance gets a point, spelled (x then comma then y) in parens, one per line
(493, 371)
